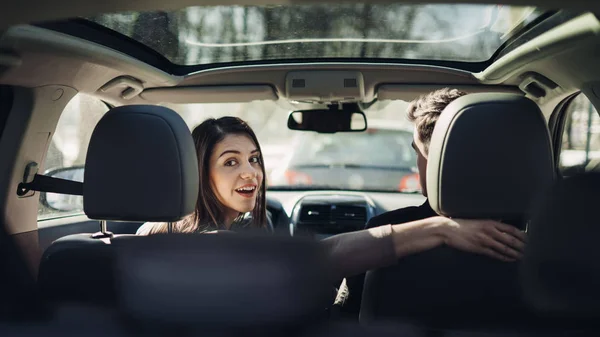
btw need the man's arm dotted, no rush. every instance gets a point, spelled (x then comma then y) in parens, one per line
(356, 252)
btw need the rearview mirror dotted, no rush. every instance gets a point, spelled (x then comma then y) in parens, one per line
(64, 202)
(327, 121)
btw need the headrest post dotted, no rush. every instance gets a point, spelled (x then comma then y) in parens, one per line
(169, 227)
(103, 233)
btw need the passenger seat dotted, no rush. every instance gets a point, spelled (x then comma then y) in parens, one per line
(141, 166)
(489, 157)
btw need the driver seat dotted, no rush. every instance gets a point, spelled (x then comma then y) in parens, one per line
(489, 157)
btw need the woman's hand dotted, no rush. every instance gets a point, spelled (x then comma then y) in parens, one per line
(487, 237)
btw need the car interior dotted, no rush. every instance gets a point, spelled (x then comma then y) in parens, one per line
(97, 101)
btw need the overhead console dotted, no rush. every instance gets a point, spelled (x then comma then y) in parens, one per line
(325, 87)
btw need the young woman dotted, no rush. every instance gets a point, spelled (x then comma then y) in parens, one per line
(232, 197)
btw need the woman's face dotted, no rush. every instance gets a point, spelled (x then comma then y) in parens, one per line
(235, 174)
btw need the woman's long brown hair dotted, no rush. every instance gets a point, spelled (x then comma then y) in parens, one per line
(209, 212)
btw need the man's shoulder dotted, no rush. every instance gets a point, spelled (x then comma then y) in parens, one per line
(402, 215)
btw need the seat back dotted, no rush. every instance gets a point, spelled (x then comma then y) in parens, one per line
(489, 156)
(141, 165)
(561, 267)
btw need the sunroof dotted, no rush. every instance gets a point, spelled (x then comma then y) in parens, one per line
(203, 35)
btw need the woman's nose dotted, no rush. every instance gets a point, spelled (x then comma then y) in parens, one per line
(249, 172)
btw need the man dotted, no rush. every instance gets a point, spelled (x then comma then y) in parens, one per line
(424, 113)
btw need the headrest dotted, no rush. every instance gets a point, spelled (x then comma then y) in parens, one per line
(141, 165)
(489, 155)
(561, 264)
(217, 280)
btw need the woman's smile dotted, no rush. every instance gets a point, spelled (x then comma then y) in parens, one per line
(247, 191)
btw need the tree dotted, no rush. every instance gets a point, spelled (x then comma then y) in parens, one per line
(158, 31)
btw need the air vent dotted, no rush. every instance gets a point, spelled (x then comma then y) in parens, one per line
(350, 83)
(349, 214)
(327, 218)
(315, 213)
(298, 83)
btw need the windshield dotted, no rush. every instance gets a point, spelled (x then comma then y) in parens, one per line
(203, 35)
(376, 148)
(378, 159)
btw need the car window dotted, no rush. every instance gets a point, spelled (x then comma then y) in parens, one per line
(580, 149)
(68, 149)
(214, 34)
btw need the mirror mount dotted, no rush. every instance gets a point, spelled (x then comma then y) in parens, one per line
(336, 118)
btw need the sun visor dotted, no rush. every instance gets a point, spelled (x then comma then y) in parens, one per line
(409, 92)
(210, 94)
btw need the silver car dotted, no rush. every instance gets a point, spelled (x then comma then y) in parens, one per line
(378, 159)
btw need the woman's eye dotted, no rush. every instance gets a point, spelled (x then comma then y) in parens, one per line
(255, 160)
(231, 162)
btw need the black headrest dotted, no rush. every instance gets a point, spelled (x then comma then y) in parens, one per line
(218, 280)
(141, 165)
(561, 266)
(489, 155)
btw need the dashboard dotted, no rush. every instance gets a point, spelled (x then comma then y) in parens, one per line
(325, 213)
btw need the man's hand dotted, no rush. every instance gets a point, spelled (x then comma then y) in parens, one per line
(487, 237)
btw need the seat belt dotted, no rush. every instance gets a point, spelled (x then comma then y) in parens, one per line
(41, 183)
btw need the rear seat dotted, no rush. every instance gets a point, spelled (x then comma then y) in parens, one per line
(490, 155)
(141, 166)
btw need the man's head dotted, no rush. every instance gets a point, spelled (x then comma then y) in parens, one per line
(424, 113)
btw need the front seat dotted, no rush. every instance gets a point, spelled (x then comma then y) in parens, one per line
(141, 166)
(489, 156)
(561, 269)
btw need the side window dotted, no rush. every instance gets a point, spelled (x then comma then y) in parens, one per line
(67, 152)
(580, 149)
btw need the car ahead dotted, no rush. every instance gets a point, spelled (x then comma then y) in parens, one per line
(378, 159)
